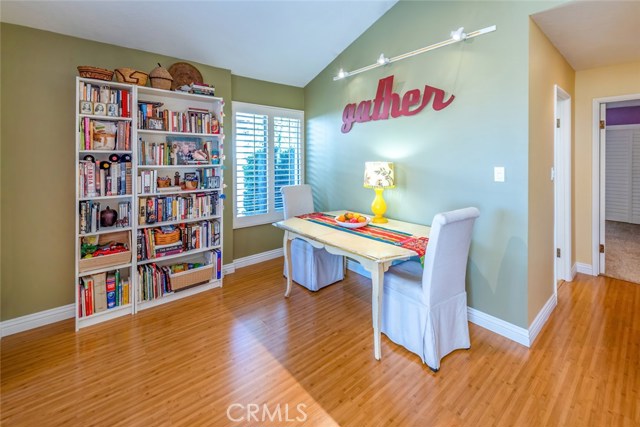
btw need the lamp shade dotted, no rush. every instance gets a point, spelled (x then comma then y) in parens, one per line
(379, 175)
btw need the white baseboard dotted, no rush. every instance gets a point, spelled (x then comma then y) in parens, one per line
(254, 259)
(541, 318)
(228, 269)
(35, 320)
(584, 268)
(499, 326)
(574, 271)
(508, 330)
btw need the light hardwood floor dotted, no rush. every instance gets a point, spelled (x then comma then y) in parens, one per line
(194, 362)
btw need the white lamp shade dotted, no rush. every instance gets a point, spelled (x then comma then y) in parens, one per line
(379, 175)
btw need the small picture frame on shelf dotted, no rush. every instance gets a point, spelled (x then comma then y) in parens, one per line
(190, 181)
(155, 123)
(86, 107)
(99, 109)
(186, 150)
(112, 110)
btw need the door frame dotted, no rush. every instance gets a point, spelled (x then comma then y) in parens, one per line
(598, 180)
(562, 185)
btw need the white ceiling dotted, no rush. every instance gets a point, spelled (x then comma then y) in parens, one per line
(291, 41)
(287, 42)
(592, 34)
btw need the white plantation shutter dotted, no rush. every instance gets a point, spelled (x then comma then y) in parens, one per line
(287, 150)
(268, 154)
(251, 164)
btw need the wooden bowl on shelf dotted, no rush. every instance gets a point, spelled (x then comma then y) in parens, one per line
(90, 72)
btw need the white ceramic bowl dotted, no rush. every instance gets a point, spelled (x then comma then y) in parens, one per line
(353, 224)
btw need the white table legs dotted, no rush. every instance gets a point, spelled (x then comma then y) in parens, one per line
(287, 262)
(377, 280)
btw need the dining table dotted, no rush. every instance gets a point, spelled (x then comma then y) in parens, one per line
(374, 246)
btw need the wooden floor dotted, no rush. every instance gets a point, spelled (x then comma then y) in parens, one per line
(206, 358)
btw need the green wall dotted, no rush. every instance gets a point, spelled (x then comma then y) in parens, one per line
(37, 95)
(262, 238)
(444, 159)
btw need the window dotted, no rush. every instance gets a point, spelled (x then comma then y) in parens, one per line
(268, 154)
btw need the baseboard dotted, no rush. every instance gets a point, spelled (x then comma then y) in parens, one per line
(228, 269)
(35, 320)
(574, 271)
(541, 318)
(584, 268)
(499, 326)
(508, 330)
(254, 259)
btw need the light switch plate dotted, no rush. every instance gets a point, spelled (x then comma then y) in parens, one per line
(498, 174)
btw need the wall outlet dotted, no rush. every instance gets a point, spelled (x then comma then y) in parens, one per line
(498, 174)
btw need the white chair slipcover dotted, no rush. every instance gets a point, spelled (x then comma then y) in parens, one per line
(312, 268)
(425, 310)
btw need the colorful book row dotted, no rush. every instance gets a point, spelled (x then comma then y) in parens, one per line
(89, 216)
(194, 120)
(104, 178)
(106, 95)
(101, 292)
(171, 240)
(174, 208)
(104, 135)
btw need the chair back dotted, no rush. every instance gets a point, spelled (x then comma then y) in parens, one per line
(445, 262)
(297, 200)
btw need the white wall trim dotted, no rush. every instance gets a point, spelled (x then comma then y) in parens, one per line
(499, 326)
(584, 268)
(541, 318)
(574, 271)
(228, 269)
(596, 180)
(508, 330)
(254, 259)
(35, 320)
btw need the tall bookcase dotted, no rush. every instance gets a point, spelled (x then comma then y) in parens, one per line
(148, 197)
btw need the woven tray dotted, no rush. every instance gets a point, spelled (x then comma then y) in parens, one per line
(166, 238)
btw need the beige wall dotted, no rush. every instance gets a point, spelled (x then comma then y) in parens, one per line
(546, 69)
(621, 79)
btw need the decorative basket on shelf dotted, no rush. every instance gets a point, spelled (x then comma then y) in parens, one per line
(160, 78)
(90, 72)
(167, 238)
(129, 75)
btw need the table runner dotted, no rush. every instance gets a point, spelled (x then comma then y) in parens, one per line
(375, 232)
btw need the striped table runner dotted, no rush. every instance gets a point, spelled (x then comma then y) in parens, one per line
(375, 232)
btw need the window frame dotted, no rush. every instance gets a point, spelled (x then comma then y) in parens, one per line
(272, 215)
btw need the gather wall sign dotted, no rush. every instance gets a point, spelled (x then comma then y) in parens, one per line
(386, 102)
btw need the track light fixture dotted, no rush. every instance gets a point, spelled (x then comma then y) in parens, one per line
(456, 36)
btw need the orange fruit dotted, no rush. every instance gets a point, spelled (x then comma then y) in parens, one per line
(348, 215)
(362, 219)
(341, 218)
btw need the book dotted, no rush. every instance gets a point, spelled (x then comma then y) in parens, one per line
(100, 292)
(111, 290)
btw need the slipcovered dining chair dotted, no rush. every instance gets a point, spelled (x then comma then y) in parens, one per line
(425, 309)
(312, 268)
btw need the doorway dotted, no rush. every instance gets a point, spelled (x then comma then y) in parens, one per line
(561, 176)
(616, 187)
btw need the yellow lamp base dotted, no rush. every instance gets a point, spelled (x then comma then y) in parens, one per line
(378, 207)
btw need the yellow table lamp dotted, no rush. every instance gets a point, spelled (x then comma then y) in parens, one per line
(378, 175)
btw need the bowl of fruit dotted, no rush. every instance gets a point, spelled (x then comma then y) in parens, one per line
(352, 220)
